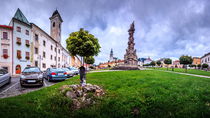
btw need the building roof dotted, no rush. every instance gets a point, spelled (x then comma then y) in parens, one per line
(20, 16)
(6, 27)
(56, 13)
(205, 55)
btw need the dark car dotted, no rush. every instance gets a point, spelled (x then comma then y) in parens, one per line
(31, 76)
(55, 74)
(5, 77)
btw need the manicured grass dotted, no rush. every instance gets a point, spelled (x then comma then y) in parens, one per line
(153, 93)
(191, 71)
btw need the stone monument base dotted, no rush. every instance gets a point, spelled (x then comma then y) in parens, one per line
(126, 67)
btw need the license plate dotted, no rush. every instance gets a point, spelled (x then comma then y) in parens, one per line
(60, 73)
(31, 81)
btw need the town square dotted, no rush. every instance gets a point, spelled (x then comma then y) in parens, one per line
(104, 59)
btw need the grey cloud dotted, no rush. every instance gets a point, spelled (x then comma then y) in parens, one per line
(164, 28)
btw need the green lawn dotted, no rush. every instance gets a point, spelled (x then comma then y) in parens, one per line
(153, 93)
(191, 71)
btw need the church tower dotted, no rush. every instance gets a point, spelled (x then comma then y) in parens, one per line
(111, 58)
(55, 28)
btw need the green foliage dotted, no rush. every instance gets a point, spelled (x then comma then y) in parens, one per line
(146, 65)
(191, 65)
(152, 63)
(83, 44)
(158, 63)
(168, 61)
(185, 59)
(199, 65)
(89, 60)
(205, 66)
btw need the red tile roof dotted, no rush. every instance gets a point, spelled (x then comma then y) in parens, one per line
(5, 26)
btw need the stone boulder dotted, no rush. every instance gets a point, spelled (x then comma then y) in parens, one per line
(82, 95)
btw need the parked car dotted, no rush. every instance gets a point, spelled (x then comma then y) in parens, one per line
(55, 74)
(75, 70)
(69, 73)
(31, 76)
(5, 77)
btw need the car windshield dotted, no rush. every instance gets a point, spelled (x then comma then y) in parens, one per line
(56, 69)
(31, 70)
(66, 69)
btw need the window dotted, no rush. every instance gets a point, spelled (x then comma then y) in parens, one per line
(44, 43)
(36, 37)
(43, 54)
(55, 49)
(59, 25)
(18, 41)
(53, 24)
(43, 65)
(51, 57)
(5, 35)
(18, 29)
(59, 51)
(36, 50)
(36, 63)
(27, 32)
(51, 47)
(58, 58)
(19, 54)
(5, 51)
(27, 43)
(55, 58)
(27, 55)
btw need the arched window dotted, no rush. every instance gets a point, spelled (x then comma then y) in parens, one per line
(53, 24)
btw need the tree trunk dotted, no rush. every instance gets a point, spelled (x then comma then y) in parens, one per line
(186, 68)
(167, 67)
(82, 73)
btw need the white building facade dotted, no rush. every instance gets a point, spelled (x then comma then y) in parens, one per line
(205, 59)
(6, 47)
(26, 44)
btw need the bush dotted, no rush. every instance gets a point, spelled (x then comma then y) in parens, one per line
(205, 66)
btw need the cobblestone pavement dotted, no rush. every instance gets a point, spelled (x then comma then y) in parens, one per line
(14, 88)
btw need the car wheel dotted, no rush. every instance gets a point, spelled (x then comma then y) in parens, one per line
(48, 79)
(21, 85)
(9, 81)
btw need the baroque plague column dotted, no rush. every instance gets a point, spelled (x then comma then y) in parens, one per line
(130, 56)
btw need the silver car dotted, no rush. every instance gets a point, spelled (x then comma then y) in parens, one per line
(5, 77)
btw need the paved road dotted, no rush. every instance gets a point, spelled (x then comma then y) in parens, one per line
(14, 88)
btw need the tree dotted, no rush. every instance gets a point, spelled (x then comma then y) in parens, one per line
(153, 63)
(167, 62)
(205, 66)
(85, 45)
(199, 66)
(185, 60)
(89, 60)
(158, 63)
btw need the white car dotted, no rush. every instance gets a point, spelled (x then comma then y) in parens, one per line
(75, 70)
(69, 72)
(5, 77)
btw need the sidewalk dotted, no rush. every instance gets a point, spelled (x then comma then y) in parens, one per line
(203, 76)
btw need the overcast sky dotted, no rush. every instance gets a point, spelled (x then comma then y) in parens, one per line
(164, 28)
